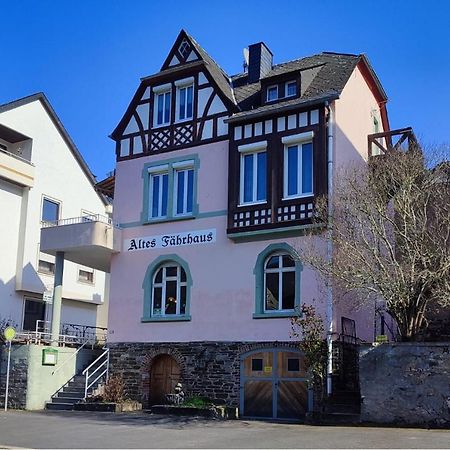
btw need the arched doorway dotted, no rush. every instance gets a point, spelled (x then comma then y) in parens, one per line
(165, 374)
(273, 384)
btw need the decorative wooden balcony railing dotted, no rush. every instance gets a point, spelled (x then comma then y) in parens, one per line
(288, 213)
(380, 143)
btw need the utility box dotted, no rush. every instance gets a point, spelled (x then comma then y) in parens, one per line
(49, 356)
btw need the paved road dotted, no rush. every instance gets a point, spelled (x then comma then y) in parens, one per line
(69, 429)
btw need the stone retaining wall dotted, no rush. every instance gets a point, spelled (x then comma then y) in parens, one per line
(18, 376)
(406, 384)
(210, 369)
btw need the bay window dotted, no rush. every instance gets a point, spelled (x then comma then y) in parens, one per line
(253, 173)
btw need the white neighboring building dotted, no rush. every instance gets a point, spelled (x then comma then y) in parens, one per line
(43, 177)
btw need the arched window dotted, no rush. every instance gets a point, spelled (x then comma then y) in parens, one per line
(166, 287)
(279, 283)
(277, 276)
(169, 291)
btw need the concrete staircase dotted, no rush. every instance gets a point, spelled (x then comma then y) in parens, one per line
(74, 390)
(71, 393)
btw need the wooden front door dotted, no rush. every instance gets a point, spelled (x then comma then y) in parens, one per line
(273, 385)
(165, 375)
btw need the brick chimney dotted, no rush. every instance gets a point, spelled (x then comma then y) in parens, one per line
(259, 61)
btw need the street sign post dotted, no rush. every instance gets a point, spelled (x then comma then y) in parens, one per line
(9, 333)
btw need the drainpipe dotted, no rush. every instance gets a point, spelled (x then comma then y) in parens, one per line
(330, 148)
(57, 297)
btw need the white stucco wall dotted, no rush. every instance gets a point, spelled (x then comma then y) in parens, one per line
(58, 176)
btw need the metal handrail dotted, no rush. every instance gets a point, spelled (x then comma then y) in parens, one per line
(76, 220)
(14, 155)
(92, 363)
(88, 376)
(71, 356)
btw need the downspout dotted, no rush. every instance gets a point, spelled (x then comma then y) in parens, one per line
(330, 149)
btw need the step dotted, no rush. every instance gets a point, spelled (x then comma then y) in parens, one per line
(68, 394)
(73, 389)
(59, 406)
(337, 408)
(66, 399)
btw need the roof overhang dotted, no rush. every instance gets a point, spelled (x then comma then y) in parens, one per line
(281, 109)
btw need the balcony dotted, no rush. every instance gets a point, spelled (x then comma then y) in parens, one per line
(16, 169)
(381, 143)
(88, 240)
(286, 216)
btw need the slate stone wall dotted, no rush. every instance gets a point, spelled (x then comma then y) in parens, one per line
(209, 369)
(406, 383)
(18, 376)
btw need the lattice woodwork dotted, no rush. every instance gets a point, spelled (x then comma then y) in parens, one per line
(183, 135)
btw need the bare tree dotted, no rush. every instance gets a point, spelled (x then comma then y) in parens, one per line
(391, 233)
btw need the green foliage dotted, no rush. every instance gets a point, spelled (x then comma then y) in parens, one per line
(309, 328)
(197, 402)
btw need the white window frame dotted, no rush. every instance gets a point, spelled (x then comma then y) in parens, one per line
(44, 272)
(85, 269)
(297, 140)
(177, 168)
(163, 286)
(184, 84)
(286, 89)
(280, 271)
(33, 299)
(152, 172)
(267, 94)
(52, 200)
(251, 149)
(161, 90)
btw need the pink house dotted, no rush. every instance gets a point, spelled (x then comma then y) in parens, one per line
(215, 185)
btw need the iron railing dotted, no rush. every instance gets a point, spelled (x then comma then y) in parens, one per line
(16, 156)
(96, 371)
(76, 220)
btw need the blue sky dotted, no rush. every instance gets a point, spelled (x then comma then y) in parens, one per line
(88, 56)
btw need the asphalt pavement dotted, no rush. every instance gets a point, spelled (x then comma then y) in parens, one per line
(70, 429)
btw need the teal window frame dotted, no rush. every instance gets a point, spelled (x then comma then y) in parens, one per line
(147, 286)
(171, 165)
(258, 271)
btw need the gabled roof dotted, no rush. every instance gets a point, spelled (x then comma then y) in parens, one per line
(204, 61)
(40, 96)
(327, 75)
(323, 78)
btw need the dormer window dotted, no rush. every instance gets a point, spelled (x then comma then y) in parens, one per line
(290, 89)
(272, 93)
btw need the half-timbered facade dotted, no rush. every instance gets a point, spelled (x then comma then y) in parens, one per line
(216, 181)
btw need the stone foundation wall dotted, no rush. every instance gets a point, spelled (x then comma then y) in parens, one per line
(18, 376)
(406, 383)
(210, 369)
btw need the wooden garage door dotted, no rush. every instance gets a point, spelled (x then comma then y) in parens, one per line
(273, 385)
